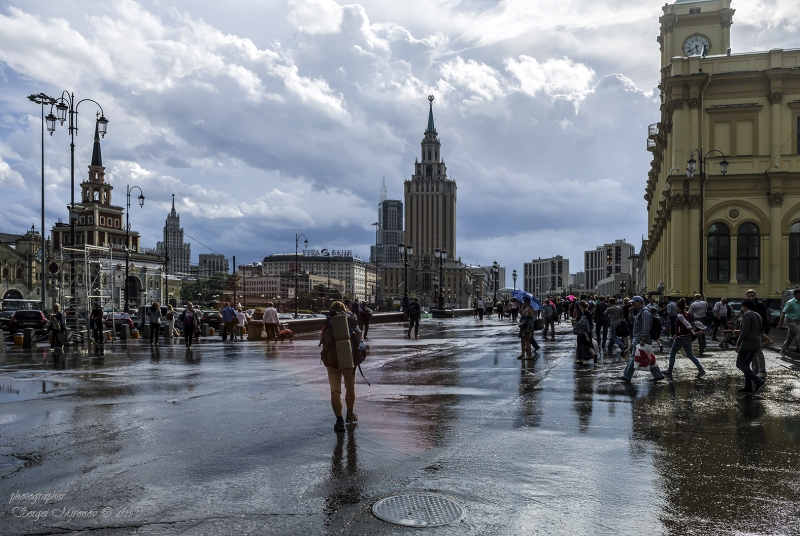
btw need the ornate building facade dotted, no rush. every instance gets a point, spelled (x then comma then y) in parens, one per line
(178, 254)
(737, 225)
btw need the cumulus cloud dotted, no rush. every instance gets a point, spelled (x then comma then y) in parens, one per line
(559, 78)
(315, 16)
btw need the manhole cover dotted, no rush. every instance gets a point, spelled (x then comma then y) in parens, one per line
(418, 510)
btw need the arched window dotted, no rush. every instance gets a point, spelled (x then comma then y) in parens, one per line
(719, 253)
(747, 253)
(794, 253)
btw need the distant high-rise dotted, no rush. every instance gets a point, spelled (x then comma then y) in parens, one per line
(390, 231)
(212, 263)
(606, 261)
(178, 254)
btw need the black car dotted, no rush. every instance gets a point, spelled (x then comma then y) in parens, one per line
(28, 319)
(212, 318)
(5, 320)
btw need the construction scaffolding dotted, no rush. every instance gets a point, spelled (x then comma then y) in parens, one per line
(93, 281)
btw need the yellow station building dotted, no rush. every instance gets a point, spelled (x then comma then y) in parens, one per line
(731, 110)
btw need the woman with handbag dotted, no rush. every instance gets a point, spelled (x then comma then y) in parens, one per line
(526, 330)
(682, 339)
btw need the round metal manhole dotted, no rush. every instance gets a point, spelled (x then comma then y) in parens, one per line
(418, 510)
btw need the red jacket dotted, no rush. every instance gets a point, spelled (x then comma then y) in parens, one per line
(680, 328)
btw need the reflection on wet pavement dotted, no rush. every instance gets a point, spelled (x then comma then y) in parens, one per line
(238, 438)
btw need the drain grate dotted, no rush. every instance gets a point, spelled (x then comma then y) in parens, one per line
(418, 510)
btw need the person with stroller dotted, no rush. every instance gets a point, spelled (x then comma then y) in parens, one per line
(682, 339)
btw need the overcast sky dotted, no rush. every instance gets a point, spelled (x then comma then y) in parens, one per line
(267, 118)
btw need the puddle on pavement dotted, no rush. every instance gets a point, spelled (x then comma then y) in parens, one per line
(15, 390)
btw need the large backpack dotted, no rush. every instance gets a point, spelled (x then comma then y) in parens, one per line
(328, 352)
(655, 327)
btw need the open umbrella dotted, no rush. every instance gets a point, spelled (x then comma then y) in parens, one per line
(571, 297)
(519, 294)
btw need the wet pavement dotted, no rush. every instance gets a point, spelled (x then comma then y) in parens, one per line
(238, 439)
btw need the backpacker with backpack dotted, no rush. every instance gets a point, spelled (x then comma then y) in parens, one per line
(329, 355)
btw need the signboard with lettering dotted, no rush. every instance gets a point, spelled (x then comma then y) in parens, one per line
(333, 252)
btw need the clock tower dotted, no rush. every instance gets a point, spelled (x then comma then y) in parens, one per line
(695, 28)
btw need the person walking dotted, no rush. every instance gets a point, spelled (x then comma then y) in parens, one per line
(614, 316)
(241, 327)
(601, 321)
(549, 314)
(672, 314)
(720, 317)
(414, 313)
(96, 321)
(364, 318)
(748, 345)
(585, 347)
(559, 307)
(526, 330)
(191, 323)
(759, 365)
(682, 339)
(481, 305)
(514, 310)
(790, 316)
(228, 322)
(56, 327)
(170, 330)
(500, 310)
(699, 311)
(154, 316)
(271, 321)
(643, 320)
(336, 375)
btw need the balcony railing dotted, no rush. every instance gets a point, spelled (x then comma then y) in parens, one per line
(652, 131)
(651, 145)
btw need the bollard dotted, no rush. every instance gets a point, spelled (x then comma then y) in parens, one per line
(124, 332)
(18, 338)
(3, 339)
(135, 333)
(146, 331)
(204, 330)
(29, 338)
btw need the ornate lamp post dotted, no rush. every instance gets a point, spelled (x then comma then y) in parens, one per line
(514, 276)
(327, 253)
(405, 251)
(440, 255)
(43, 99)
(691, 167)
(67, 109)
(128, 236)
(296, 295)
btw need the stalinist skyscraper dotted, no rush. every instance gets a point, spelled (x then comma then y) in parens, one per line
(430, 199)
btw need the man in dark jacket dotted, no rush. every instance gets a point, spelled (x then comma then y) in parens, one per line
(748, 345)
(414, 313)
(759, 366)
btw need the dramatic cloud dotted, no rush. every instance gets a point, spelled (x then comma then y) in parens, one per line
(282, 118)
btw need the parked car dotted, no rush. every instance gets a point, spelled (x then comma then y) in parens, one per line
(117, 320)
(285, 316)
(5, 320)
(212, 318)
(28, 319)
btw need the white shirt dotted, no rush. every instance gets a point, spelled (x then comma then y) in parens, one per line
(242, 318)
(271, 316)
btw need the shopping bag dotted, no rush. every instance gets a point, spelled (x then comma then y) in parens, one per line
(644, 358)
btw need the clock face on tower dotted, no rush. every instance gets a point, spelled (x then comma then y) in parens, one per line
(694, 45)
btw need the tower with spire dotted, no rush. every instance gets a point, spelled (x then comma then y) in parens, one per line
(178, 253)
(431, 199)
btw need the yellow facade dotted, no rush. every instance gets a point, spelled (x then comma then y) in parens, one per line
(745, 106)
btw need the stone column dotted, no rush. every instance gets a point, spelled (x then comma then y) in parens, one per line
(677, 133)
(677, 239)
(775, 260)
(693, 239)
(775, 99)
(734, 254)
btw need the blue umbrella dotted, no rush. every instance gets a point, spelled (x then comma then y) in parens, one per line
(519, 294)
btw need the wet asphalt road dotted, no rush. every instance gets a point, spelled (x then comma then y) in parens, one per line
(238, 439)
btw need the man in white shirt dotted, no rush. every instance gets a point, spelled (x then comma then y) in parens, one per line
(699, 309)
(720, 317)
(271, 321)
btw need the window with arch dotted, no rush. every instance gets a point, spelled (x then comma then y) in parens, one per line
(719, 253)
(794, 253)
(747, 253)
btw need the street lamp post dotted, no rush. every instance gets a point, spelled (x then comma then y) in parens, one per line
(691, 167)
(405, 251)
(441, 254)
(67, 109)
(128, 234)
(514, 276)
(496, 272)
(43, 99)
(327, 253)
(296, 295)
